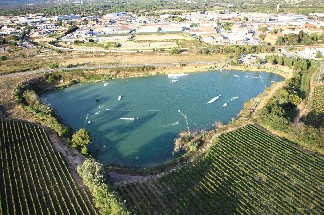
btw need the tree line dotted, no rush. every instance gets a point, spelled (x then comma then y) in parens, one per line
(279, 113)
(301, 38)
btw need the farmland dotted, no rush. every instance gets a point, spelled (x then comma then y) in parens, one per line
(318, 101)
(34, 178)
(247, 171)
(140, 42)
(316, 116)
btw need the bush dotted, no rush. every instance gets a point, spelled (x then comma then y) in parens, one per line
(84, 150)
(175, 51)
(54, 65)
(194, 146)
(30, 100)
(51, 78)
(3, 58)
(105, 198)
(81, 138)
(318, 54)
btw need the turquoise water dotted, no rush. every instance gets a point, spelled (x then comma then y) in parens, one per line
(160, 108)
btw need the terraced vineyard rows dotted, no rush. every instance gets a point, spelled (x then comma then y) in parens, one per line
(247, 171)
(316, 117)
(34, 179)
(318, 102)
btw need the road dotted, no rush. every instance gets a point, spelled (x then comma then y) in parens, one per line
(102, 67)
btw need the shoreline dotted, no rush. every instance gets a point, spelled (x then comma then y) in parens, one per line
(283, 71)
(160, 71)
(155, 71)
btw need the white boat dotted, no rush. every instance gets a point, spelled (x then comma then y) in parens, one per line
(119, 98)
(225, 104)
(174, 81)
(233, 98)
(105, 84)
(213, 99)
(125, 118)
(176, 75)
(236, 76)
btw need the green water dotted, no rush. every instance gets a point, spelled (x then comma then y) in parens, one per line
(160, 108)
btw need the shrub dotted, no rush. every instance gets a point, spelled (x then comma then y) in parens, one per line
(54, 65)
(81, 138)
(175, 51)
(105, 198)
(84, 150)
(3, 58)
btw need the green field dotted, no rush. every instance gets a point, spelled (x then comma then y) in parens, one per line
(34, 179)
(247, 171)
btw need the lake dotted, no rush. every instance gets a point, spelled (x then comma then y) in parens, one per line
(138, 129)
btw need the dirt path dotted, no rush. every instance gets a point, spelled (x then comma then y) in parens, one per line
(120, 179)
(269, 95)
(301, 111)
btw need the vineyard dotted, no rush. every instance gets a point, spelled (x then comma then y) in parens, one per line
(247, 171)
(34, 179)
(316, 116)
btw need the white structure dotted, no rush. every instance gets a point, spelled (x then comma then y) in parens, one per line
(310, 53)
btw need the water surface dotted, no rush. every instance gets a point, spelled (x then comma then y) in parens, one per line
(160, 108)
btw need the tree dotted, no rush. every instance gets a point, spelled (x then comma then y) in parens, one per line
(262, 36)
(81, 138)
(263, 29)
(318, 54)
(93, 175)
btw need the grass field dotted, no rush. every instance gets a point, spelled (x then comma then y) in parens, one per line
(34, 179)
(138, 42)
(247, 171)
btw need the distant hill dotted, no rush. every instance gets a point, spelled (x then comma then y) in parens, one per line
(25, 2)
(19, 4)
